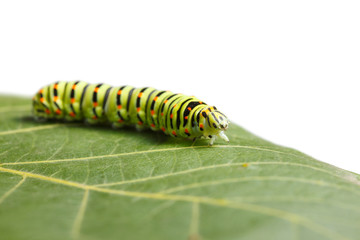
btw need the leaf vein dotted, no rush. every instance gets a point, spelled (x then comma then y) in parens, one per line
(257, 178)
(288, 216)
(145, 151)
(12, 190)
(31, 129)
(218, 166)
(80, 216)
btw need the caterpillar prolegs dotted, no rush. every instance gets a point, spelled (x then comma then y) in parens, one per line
(176, 115)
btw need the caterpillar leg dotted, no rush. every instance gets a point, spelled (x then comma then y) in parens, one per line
(212, 139)
(223, 136)
(117, 125)
(139, 127)
(39, 119)
(193, 141)
(90, 122)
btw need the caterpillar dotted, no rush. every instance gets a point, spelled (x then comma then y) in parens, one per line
(176, 115)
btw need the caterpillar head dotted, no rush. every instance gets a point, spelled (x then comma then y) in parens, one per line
(218, 121)
(215, 123)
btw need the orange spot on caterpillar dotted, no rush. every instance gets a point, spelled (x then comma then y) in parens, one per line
(165, 101)
(186, 130)
(162, 114)
(140, 122)
(47, 111)
(171, 116)
(119, 92)
(162, 128)
(152, 112)
(95, 104)
(120, 120)
(174, 133)
(156, 98)
(72, 114)
(56, 98)
(73, 87)
(201, 125)
(42, 99)
(119, 107)
(41, 90)
(189, 108)
(140, 94)
(96, 89)
(152, 125)
(201, 102)
(58, 112)
(138, 109)
(55, 86)
(72, 100)
(174, 105)
(94, 117)
(186, 117)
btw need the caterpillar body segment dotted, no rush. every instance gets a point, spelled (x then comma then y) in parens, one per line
(176, 115)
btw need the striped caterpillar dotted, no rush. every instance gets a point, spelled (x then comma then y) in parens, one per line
(176, 115)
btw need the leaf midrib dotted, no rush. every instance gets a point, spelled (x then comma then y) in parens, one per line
(285, 215)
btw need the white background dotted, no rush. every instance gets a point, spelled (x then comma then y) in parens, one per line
(287, 71)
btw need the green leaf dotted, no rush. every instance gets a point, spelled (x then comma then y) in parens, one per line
(71, 181)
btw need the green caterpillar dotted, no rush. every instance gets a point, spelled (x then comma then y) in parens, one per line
(176, 115)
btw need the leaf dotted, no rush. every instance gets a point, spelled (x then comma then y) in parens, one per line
(70, 181)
